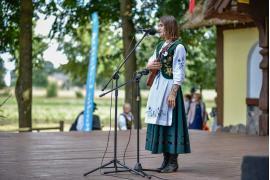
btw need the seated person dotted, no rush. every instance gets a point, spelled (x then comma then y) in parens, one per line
(125, 118)
(78, 123)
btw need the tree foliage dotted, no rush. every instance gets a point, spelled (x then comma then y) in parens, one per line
(72, 29)
(201, 53)
(200, 46)
(41, 73)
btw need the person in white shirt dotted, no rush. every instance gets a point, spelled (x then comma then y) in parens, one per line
(125, 119)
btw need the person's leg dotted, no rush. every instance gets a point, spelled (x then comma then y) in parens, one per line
(165, 161)
(172, 165)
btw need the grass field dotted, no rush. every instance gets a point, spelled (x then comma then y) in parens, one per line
(66, 107)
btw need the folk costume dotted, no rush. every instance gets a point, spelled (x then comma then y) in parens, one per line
(167, 130)
(125, 121)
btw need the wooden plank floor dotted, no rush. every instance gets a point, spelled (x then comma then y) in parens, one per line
(69, 155)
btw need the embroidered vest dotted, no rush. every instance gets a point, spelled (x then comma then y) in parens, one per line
(166, 59)
(128, 122)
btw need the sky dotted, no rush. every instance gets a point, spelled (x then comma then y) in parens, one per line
(51, 54)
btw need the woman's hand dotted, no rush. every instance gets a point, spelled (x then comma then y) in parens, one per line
(172, 96)
(154, 65)
(171, 100)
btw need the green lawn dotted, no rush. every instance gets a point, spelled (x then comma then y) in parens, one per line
(49, 111)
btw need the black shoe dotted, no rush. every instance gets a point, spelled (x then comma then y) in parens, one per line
(166, 157)
(172, 165)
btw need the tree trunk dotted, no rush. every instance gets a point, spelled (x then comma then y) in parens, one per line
(24, 82)
(130, 67)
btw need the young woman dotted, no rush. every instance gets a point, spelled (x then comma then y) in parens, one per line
(167, 130)
(197, 113)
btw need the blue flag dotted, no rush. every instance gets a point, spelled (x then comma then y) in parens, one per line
(91, 77)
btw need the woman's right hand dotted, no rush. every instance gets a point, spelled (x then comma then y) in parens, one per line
(154, 65)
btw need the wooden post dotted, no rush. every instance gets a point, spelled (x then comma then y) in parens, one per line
(258, 10)
(220, 76)
(61, 123)
(264, 65)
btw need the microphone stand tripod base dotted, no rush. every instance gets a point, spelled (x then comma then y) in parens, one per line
(138, 168)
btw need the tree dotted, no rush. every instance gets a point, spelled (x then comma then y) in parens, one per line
(128, 32)
(9, 31)
(24, 83)
(78, 28)
(199, 48)
(72, 28)
(175, 8)
(16, 39)
(2, 72)
(77, 52)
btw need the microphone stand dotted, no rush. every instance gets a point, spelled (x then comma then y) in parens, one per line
(116, 163)
(138, 167)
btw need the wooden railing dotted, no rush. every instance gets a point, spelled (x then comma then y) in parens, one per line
(38, 129)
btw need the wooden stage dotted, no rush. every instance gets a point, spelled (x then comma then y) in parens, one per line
(66, 155)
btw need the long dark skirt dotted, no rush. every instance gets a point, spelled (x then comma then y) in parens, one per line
(172, 139)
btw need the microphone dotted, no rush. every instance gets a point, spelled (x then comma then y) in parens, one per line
(150, 31)
(143, 72)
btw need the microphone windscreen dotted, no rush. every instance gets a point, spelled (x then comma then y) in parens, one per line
(152, 32)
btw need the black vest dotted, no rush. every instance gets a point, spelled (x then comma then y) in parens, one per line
(166, 59)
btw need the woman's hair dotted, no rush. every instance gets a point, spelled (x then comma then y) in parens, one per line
(170, 27)
(198, 95)
(188, 96)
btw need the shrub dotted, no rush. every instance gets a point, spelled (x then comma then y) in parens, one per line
(79, 94)
(52, 90)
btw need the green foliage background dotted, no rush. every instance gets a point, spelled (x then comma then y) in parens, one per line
(72, 30)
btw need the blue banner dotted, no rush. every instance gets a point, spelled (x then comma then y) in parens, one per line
(91, 77)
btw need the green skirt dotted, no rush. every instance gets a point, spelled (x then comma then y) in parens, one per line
(172, 139)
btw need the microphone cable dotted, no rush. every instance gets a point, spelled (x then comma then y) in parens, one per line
(124, 156)
(107, 144)
(109, 133)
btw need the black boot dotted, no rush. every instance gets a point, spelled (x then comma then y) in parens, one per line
(172, 165)
(165, 161)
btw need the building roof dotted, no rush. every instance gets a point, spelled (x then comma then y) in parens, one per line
(226, 9)
(205, 14)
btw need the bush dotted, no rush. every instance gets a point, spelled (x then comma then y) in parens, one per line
(52, 90)
(79, 94)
